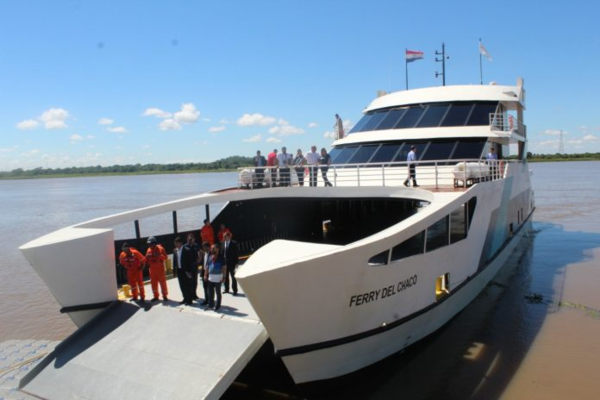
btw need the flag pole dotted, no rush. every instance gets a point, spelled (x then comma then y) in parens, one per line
(406, 67)
(480, 64)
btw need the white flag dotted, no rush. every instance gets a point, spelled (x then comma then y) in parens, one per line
(484, 52)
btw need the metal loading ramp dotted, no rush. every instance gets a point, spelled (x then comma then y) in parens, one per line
(159, 352)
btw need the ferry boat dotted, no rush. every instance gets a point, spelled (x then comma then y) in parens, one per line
(344, 276)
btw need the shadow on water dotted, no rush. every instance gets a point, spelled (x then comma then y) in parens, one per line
(477, 353)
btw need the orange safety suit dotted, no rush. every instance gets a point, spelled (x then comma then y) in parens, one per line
(207, 234)
(156, 260)
(222, 233)
(134, 264)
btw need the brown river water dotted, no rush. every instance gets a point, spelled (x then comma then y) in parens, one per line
(531, 334)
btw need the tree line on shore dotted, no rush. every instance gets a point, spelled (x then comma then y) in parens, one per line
(229, 163)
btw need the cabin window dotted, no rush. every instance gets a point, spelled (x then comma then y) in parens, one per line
(442, 286)
(374, 121)
(403, 153)
(363, 154)
(391, 119)
(465, 150)
(361, 123)
(457, 115)
(411, 117)
(471, 210)
(385, 153)
(410, 247)
(481, 114)
(344, 155)
(458, 224)
(379, 259)
(433, 115)
(437, 235)
(438, 151)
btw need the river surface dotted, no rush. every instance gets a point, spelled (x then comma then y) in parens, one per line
(531, 334)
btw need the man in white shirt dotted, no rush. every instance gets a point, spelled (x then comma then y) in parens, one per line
(284, 160)
(312, 157)
(412, 166)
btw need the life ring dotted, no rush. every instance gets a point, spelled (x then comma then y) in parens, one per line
(511, 122)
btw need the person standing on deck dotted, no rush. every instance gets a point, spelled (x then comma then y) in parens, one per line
(183, 260)
(284, 160)
(207, 233)
(222, 231)
(412, 167)
(191, 241)
(156, 256)
(133, 261)
(325, 162)
(272, 164)
(259, 171)
(214, 274)
(492, 160)
(299, 162)
(338, 127)
(231, 255)
(312, 158)
(203, 267)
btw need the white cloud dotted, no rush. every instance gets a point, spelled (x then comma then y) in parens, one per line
(590, 138)
(169, 125)
(224, 122)
(30, 153)
(313, 125)
(286, 130)
(28, 125)
(188, 114)
(117, 129)
(554, 132)
(549, 143)
(214, 129)
(90, 137)
(8, 149)
(329, 135)
(255, 138)
(55, 118)
(146, 146)
(273, 140)
(105, 121)
(76, 138)
(255, 119)
(156, 112)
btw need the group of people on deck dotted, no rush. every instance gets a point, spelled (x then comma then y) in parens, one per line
(282, 164)
(214, 263)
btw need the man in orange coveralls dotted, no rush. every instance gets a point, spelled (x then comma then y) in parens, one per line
(133, 261)
(207, 233)
(156, 256)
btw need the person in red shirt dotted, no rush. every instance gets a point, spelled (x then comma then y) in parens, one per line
(133, 261)
(207, 233)
(156, 256)
(222, 232)
(272, 158)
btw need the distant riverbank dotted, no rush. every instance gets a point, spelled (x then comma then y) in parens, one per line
(223, 165)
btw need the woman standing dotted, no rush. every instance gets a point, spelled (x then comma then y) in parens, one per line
(299, 162)
(324, 162)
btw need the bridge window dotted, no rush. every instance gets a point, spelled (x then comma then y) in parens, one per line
(433, 115)
(481, 114)
(385, 153)
(411, 117)
(410, 247)
(457, 115)
(363, 154)
(391, 119)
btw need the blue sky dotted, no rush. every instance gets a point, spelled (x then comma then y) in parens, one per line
(124, 82)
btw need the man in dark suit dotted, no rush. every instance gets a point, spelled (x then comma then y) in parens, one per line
(184, 261)
(230, 253)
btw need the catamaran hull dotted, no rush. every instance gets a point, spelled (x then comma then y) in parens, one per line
(339, 360)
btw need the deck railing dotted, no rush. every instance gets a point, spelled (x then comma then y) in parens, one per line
(430, 173)
(506, 123)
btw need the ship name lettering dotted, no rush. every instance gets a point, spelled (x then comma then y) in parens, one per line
(374, 295)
